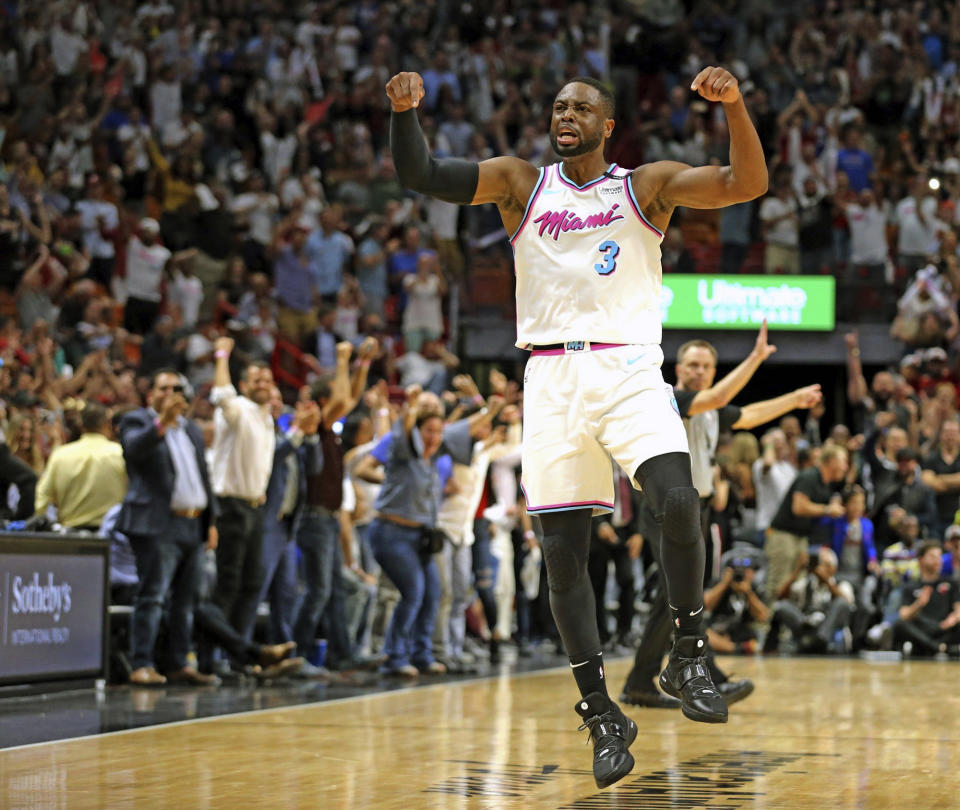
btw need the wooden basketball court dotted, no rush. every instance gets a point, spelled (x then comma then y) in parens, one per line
(816, 733)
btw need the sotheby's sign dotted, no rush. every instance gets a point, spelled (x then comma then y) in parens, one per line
(51, 614)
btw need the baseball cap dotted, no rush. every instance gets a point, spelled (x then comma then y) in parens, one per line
(935, 353)
(149, 224)
(912, 359)
(952, 532)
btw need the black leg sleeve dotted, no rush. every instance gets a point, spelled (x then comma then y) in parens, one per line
(566, 544)
(668, 485)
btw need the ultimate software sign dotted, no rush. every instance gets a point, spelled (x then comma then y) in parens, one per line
(51, 609)
(800, 303)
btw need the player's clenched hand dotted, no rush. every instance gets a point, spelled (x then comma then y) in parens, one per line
(717, 84)
(405, 91)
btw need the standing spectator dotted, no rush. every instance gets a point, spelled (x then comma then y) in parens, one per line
(146, 261)
(735, 236)
(401, 535)
(372, 266)
(257, 207)
(330, 250)
(929, 618)
(814, 218)
(941, 472)
(318, 534)
(423, 316)
(406, 259)
(286, 490)
(16, 472)
(294, 282)
(868, 236)
(794, 526)
(86, 478)
(167, 513)
(778, 213)
(243, 448)
(772, 476)
(99, 220)
(917, 225)
(854, 161)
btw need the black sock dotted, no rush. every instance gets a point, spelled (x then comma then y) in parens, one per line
(688, 622)
(588, 672)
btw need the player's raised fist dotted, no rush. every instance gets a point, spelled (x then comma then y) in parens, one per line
(405, 91)
(717, 84)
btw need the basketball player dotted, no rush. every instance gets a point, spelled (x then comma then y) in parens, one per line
(586, 237)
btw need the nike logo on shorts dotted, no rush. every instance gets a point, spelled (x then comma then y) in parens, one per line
(635, 359)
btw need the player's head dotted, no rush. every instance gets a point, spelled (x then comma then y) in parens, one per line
(696, 365)
(582, 117)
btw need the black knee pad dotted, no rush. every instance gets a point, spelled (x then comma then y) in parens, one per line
(681, 516)
(564, 570)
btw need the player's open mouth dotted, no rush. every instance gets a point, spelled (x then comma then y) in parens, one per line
(567, 137)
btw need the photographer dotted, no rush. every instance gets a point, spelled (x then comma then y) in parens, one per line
(812, 604)
(733, 605)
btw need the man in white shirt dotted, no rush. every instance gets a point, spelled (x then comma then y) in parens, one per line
(146, 261)
(778, 213)
(916, 219)
(243, 447)
(99, 220)
(772, 476)
(868, 234)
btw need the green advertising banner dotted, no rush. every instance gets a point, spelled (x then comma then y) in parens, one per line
(801, 303)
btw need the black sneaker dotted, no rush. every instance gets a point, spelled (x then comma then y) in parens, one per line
(686, 677)
(734, 691)
(648, 699)
(612, 733)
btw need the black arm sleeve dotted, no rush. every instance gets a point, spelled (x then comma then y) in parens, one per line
(454, 181)
(729, 415)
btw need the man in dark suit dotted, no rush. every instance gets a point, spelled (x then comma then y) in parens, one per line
(168, 512)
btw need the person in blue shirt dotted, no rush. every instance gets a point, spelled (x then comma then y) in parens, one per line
(853, 161)
(417, 457)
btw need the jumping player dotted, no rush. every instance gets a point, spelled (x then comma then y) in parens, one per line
(586, 238)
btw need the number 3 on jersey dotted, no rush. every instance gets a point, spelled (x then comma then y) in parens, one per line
(609, 264)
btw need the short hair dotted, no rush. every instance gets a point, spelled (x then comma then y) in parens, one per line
(926, 546)
(245, 374)
(828, 454)
(159, 371)
(852, 491)
(696, 344)
(606, 94)
(93, 417)
(320, 387)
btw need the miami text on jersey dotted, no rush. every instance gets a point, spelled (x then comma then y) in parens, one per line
(554, 222)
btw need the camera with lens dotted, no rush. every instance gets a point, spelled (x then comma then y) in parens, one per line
(740, 564)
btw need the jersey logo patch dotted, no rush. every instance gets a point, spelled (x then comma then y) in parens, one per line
(553, 223)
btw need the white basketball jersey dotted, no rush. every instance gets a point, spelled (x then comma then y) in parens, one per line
(587, 263)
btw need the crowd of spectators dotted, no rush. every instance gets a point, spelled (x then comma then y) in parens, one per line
(195, 193)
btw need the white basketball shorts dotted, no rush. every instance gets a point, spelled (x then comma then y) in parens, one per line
(582, 408)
